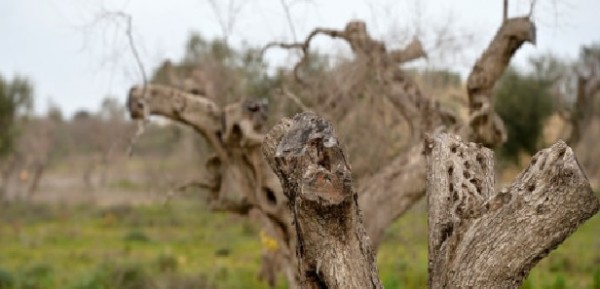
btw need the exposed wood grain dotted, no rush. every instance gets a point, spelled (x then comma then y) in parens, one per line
(482, 239)
(332, 249)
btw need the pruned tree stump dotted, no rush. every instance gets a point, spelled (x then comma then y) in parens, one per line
(332, 246)
(479, 238)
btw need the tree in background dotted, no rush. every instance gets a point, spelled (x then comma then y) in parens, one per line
(99, 135)
(240, 181)
(585, 115)
(585, 108)
(566, 90)
(16, 97)
(524, 102)
(217, 71)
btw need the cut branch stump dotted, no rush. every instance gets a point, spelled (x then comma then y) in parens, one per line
(482, 239)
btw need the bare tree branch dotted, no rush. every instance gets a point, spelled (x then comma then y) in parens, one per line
(198, 112)
(288, 17)
(485, 126)
(125, 17)
(504, 10)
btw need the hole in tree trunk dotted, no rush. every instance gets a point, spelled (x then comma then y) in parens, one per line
(313, 277)
(270, 196)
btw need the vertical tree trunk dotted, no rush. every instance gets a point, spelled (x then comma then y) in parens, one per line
(38, 172)
(7, 172)
(482, 239)
(332, 246)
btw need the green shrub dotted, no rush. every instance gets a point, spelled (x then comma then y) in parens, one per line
(523, 102)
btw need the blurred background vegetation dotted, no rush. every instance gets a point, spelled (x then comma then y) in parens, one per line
(77, 212)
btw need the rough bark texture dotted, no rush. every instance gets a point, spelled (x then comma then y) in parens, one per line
(482, 239)
(239, 180)
(388, 194)
(242, 182)
(333, 249)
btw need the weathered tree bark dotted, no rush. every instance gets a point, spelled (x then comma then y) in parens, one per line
(485, 126)
(414, 50)
(397, 187)
(387, 194)
(239, 180)
(198, 112)
(231, 173)
(482, 239)
(332, 248)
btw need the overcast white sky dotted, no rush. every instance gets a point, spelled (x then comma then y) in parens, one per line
(75, 62)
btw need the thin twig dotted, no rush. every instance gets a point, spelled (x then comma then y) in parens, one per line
(294, 98)
(141, 124)
(304, 47)
(288, 16)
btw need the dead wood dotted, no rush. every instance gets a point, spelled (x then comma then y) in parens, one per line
(485, 126)
(239, 179)
(482, 239)
(242, 182)
(332, 247)
(363, 46)
(398, 186)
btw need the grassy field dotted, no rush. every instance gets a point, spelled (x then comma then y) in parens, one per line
(182, 245)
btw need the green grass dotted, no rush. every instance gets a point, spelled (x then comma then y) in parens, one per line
(183, 245)
(574, 264)
(61, 247)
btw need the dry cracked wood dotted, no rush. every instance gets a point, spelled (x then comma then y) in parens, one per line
(482, 239)
(239, 180)
(384, 196)
(391, 192)
(198, 112)
(332, 249)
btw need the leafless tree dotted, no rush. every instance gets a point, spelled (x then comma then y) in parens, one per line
(241, 182)
(477, 238)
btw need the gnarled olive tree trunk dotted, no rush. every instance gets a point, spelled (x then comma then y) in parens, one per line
(477, 238)
(332, 246)
(239, 179)
(242, 182)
